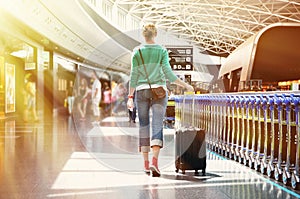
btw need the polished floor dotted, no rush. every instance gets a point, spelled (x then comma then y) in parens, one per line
(71, 158)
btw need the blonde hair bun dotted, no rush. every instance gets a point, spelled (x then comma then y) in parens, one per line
(149, 30)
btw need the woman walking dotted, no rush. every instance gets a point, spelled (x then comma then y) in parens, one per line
(149, 69)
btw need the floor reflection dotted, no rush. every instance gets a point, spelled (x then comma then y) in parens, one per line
(65, 159)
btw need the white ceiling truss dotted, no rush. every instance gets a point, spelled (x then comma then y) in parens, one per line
(215, 26)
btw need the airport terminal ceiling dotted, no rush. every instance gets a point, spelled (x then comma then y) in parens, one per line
(215, 26)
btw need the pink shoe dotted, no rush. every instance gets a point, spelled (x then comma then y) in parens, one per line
(155, 171)
(146, 167)
(154, 168)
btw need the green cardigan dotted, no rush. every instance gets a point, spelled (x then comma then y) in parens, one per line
(157, 64)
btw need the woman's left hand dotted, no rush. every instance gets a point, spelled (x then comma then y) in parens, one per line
(190, 88)
(130, 104)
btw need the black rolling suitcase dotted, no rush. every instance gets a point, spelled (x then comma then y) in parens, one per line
(190, 148)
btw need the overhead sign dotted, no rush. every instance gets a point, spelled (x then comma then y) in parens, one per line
(181, 57)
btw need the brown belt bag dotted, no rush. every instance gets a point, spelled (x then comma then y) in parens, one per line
(158, 93)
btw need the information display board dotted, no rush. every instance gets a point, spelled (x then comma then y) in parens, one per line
(181, 57)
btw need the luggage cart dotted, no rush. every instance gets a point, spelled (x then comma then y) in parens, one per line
(253, 132)
(223, 104)
(219, 124)
(266, 151)
(178, 111)
(248, 132)
(261, 130)
(234, 113)
(228, 126)
(290, 146)
(295, 177)
(214, 125)
(210, 124)
(278, 165)
(242, 155)
(259, 133)
(274, 140)
(237, 129)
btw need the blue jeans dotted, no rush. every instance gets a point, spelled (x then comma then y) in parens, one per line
(158, 107)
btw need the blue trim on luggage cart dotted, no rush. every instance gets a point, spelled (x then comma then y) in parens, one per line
(264, 179)
(281, 187)
(221, 157)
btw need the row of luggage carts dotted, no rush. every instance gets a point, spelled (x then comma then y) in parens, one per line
(259, 130)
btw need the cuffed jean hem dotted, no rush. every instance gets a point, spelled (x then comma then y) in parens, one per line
(144, 149)
(157, 142)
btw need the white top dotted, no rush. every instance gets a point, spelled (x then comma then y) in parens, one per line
(146, 86)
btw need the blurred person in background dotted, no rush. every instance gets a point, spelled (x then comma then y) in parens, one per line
(132, 111)
(70, 96)
(96, 96)
(119, 96)
(83, 97)
(30, 98)
(107, 99)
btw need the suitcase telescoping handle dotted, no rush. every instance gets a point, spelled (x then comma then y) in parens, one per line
(188, 94)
